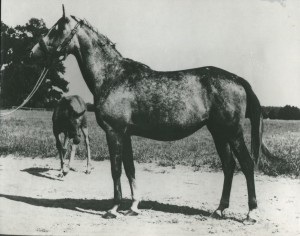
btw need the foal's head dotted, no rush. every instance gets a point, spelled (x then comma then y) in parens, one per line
(70, 113)
(58, 42)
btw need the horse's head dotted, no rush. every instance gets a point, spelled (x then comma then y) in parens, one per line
(58, 42)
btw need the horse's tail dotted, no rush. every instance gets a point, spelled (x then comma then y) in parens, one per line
(254, 113)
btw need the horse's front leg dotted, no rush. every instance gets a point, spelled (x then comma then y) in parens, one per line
(130, 173)
(115, 147)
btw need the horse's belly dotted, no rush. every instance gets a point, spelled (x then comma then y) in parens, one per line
(168, 122)
(165, 132)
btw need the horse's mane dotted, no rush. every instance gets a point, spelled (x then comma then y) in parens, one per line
(102, 37)
(107, 41)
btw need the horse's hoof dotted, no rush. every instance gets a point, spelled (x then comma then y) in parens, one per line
(132, 213)
(91, 167)
(249, 221)
(252, 217)
(87, 172)
(217, 214)
(109, 215)
(60, 175)
(73, 169)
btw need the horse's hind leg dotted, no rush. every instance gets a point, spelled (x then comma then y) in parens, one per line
(228, 166)
(247, 165)
(130, 173)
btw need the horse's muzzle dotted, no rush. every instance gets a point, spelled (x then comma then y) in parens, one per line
(76, 140)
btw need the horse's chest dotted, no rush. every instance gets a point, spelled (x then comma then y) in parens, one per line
(116, 107)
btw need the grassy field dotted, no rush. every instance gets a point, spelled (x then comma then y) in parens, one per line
(29, 133)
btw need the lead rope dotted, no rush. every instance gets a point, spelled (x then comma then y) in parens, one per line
(35, 88)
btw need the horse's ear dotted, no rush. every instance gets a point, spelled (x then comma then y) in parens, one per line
(63, 8)
(75, 18)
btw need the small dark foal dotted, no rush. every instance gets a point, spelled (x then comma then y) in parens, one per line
(68, 117)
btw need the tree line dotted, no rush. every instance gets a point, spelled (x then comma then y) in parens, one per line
(281, 113)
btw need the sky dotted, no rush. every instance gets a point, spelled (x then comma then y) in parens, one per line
(258, 40)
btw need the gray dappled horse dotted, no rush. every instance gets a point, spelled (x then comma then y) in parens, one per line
(68, 118)
(132, 99)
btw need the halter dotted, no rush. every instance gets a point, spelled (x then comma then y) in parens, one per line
(60, 50)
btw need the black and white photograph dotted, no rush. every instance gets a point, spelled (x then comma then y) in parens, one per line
(150, 117)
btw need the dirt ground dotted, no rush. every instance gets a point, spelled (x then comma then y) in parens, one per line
(33, 200)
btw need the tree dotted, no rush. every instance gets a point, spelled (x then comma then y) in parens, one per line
(19, 74)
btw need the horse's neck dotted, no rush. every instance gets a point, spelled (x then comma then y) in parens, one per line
(95, 57)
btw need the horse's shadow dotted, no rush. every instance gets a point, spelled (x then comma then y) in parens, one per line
(93, 205)
(42, 172)
(99, 207)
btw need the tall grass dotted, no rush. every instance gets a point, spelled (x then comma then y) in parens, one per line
(29, 133)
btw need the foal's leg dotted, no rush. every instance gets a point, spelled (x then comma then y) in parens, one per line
(65, 169)
(66, 142)
(60, 152)
(228, 166)
(115, 147)
(73, 151)
(247, 165)
(130, 173)
(87, 144)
